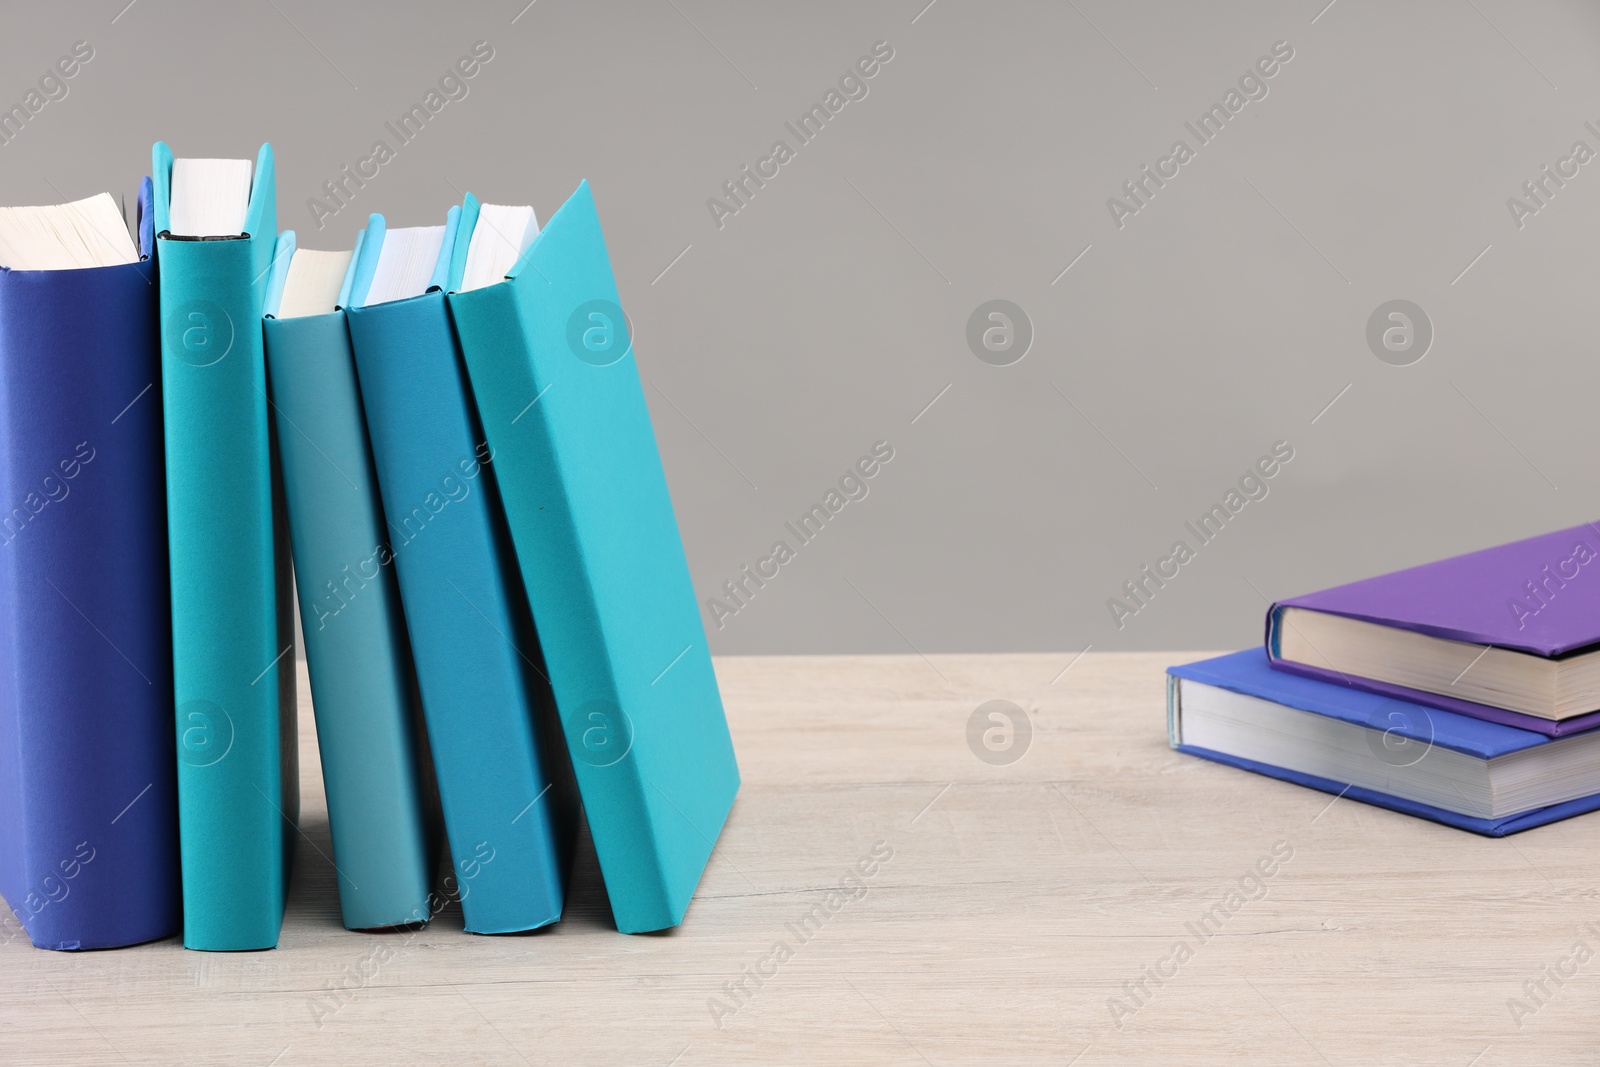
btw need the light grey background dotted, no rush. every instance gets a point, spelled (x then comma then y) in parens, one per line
(825, 316)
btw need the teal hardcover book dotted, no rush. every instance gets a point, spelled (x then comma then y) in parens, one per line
(504, 783)
(375, 765)
(552, 368)
(232, 623)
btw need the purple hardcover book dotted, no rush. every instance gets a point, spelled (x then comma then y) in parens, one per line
(1539, 596)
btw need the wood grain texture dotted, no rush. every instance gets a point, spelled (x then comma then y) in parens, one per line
(1019, 900)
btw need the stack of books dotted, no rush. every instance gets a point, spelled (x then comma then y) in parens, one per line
(438, 441)
(1465, 690)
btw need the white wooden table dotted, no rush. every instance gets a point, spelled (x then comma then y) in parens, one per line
(1019, 901)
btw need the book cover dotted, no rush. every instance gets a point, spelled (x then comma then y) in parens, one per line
(375, 766)
(1536, 595)
(552, 367)
(232, 619)
(504, 784)
(88, 780)
(1250, 673)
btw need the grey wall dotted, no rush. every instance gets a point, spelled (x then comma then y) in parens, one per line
(824, 316)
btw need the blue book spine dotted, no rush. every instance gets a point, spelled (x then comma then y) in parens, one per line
(232, 613)
(375, 766)
(88, 786)
(503, 781)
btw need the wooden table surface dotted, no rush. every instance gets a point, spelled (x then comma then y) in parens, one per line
(1031, 912)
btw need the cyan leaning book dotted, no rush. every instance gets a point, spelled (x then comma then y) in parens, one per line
(232, 618)
(552, 367)
(1411, 758)
(88, 808)
(504, 784)
(1510, 634)
(375, 765)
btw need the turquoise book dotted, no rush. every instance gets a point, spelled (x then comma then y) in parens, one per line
(504, 782)
(551, 361)
(375, 767)
(232, 618)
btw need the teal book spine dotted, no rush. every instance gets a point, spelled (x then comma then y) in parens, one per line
(375, 766)
(503, 782)
(232, 618)
(552, 368)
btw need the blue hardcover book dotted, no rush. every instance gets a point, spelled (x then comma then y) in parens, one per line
(552, 364)
(232, 616)
(1454, 769)
(88, 786)
(504, 783)
(375, 765)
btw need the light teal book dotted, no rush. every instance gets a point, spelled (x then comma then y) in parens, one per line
(375, 765)
(232, 619)
(551, 360)
(504, 782)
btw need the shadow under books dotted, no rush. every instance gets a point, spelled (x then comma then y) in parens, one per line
(314, 891)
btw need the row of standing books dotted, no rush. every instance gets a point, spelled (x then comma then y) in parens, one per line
(439, 440)
(1465, 690)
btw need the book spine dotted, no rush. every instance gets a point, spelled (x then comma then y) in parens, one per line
(477, 659)
(233, 647)
(88, 853)
(496, 348)
(1272, 639)
(378, 777)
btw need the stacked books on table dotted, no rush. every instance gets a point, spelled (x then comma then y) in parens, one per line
(1466, 691)
(439, 441)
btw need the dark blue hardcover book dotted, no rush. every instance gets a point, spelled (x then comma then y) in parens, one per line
(1455, 769)
(88, 780)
